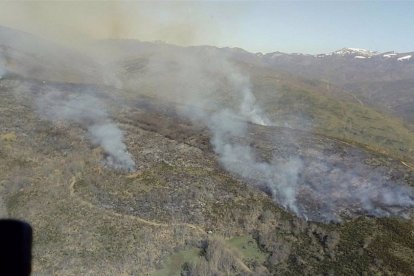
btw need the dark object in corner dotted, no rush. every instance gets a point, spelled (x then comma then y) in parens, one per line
(15, 248)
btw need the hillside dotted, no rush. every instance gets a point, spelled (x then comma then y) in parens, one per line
(289, 100)
(359, 72)
(34, 57)
(394, 96)
(169, 160)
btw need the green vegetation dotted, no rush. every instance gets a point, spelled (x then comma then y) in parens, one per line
(229, 256)
(8, 137)
(248, 248)
(175, 262)
(394, 245)
(311, 107)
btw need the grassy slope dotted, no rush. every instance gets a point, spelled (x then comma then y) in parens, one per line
(317, 107)
(244, 246)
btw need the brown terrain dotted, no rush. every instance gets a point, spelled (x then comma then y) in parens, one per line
(183, 210)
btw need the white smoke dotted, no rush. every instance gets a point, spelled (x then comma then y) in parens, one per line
(110, 137)
(352, 190)
(89, 112)
(2, 65)
(220, 97)
(335, 190)
(212, 90)
(280, 177)
(248, 107)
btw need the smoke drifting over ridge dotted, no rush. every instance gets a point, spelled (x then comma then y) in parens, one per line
(313, 187)
(76, 22)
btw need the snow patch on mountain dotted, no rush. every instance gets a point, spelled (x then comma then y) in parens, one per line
(404, 58)
(389, 55)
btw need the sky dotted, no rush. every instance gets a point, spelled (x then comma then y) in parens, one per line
(266, 26)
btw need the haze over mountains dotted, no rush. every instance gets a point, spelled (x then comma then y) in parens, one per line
(382, 80)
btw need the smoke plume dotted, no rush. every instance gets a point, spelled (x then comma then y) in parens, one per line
(89, 112)
(315, 187)
(2, 65)
(35, 58)
(207, 88)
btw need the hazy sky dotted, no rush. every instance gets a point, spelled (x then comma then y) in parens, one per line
(300, 26)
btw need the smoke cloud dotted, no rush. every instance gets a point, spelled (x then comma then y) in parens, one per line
(330, 190)
(314, 186)
(2, 65)
(207, 88)
(280, 178)
(89, 112)
(76, 22)
(311, 188)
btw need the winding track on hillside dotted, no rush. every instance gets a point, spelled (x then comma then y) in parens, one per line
(73, 194)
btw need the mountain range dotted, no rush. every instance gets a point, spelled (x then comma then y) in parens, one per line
(383, 80)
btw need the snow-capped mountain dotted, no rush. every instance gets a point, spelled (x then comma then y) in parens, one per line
(359, 52)
(345, 54)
